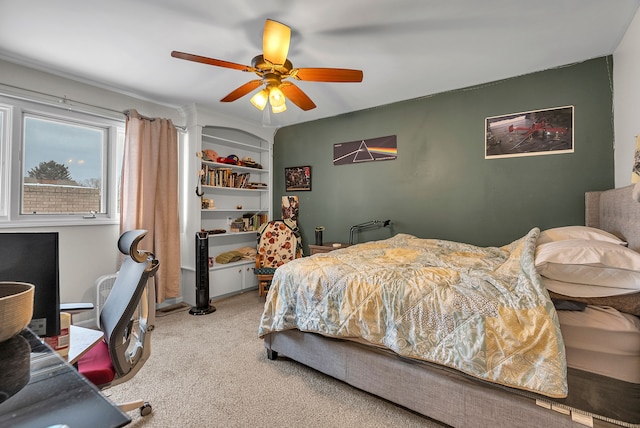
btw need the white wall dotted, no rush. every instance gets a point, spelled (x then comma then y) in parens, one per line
(626, 101)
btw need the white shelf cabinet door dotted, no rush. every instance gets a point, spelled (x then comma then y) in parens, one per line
(249, 279)
(232, 279)
(225, 281)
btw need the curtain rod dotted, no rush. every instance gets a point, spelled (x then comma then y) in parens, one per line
(151, 119)
(64, 100)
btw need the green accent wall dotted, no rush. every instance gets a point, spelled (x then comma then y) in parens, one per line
(440, 185)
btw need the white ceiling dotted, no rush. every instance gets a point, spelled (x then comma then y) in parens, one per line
(406, 48)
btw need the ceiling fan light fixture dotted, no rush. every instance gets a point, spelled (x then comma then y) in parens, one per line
(275, 42)
(278, 109)
(259, 100)
(276, 97)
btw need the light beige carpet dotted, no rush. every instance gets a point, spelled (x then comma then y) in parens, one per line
(212, 371)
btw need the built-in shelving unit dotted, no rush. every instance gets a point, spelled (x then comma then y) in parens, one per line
(250, 201)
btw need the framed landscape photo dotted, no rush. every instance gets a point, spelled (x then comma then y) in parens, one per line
(297, 178)
(530, 133)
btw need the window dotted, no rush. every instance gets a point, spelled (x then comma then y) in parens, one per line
(65, 165)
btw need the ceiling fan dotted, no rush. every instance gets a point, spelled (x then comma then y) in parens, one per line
(273, 67)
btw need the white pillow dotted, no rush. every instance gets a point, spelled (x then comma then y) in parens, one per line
(589, 262)
(583, 290)
(577, 232)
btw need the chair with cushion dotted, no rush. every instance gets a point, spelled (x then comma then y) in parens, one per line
(127, 319)
(279, 242)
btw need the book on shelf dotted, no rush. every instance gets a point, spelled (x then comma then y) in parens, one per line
(224, 177)
(248, 222)
(254, 221)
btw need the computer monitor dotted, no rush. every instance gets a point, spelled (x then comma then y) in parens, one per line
(33, 257)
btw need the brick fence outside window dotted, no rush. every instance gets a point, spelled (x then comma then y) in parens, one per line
(59, 199)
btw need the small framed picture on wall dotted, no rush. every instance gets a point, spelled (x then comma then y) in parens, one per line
(297, 178)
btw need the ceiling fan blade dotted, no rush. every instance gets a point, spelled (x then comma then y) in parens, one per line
(211, 61)
(327, 74)
(275, 42)
(296, 96)
(241, 91)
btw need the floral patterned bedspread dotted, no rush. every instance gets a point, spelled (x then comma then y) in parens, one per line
(480, 310)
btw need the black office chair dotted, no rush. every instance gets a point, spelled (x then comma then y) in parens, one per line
(127, 319)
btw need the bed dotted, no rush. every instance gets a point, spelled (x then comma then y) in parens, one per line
(513, 353)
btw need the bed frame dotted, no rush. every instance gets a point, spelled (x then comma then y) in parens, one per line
(455, 399)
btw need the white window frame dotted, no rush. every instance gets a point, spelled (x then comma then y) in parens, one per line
(11, 157)
(5, 161)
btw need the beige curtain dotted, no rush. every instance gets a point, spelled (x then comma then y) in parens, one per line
(635, 172)
(149, 195)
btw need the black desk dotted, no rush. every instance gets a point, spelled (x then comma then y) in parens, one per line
(56, 394)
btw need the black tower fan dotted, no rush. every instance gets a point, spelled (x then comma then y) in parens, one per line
(202, 276)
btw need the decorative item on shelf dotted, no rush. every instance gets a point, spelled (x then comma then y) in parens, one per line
(248, 253)
(213, 231)
(237, 225)
(238, 207)
(208, 204)
(254, 185)
(228, 257)
(231, 160)
(248, 162)
(208, 155)
(319, 231)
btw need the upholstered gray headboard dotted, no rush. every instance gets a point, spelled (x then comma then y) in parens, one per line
(615, 211)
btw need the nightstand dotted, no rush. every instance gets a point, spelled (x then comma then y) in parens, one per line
(328, 246)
